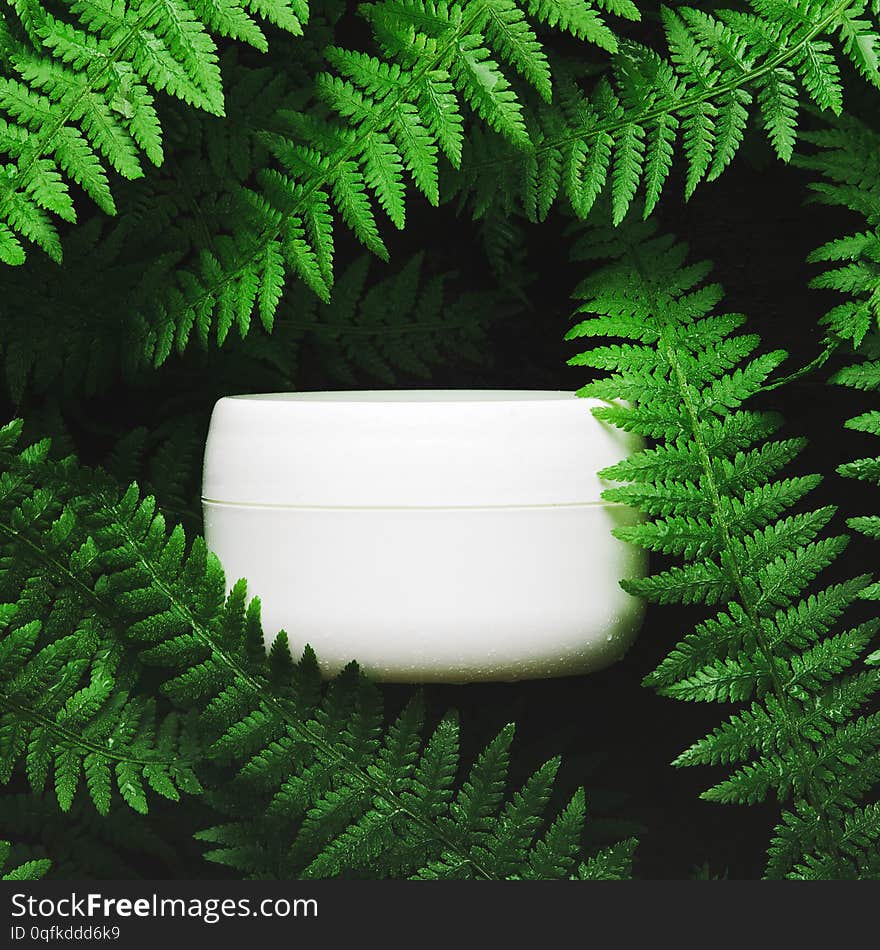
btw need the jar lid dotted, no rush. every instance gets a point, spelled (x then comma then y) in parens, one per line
(409, 448)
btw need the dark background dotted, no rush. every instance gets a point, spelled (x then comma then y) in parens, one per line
(617, 737)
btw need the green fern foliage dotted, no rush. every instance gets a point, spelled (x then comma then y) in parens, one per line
(864, 376)
(321, 786)
(421, 820)
(379, 126)
(86, 844)
(165, 217)
(727, 521)
(720, 70)
(613, 863)
(78, 96)
(406, 324)
(28, 871)
(846, 161)
(66, 707)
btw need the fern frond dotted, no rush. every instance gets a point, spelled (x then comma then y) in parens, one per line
(610, 864)
(425, 321)
(376, 130)
(848, 160)
(84, 843)
(78, 96)
(718, 70)
(847, 165)
(67, 707)
(771, 644)
(31, 870)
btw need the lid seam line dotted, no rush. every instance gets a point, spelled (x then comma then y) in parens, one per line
(538, 505)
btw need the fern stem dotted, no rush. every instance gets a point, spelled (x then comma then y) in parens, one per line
(830, 348)
(76, 739)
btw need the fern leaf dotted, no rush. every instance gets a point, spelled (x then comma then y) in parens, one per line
(771, 645)
(487, 90)
(507, 29)
(81, 84)
(32, 870)
(718, 68)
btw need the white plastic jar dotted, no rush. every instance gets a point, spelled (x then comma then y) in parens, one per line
(431, 535)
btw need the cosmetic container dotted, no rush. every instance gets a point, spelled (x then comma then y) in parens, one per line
(444, 536)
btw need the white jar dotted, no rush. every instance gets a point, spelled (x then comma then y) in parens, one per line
(430, 535)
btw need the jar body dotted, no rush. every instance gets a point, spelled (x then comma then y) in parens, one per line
(430, 535)
(451, 594)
